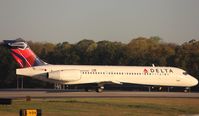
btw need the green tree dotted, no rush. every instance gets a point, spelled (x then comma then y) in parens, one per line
(108, 53)
(7, 66)
(85, 49)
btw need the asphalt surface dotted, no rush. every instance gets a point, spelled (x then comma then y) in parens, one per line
(105, 94)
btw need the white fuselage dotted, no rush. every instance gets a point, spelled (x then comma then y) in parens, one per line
(145, 75)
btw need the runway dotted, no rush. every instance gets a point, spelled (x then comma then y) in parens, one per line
(105, 94)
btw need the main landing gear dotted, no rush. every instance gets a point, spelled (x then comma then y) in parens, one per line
(99, 89)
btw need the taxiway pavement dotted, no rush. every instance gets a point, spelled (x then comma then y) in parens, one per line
(105, 94)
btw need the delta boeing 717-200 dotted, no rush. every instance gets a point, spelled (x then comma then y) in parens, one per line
(33, 66)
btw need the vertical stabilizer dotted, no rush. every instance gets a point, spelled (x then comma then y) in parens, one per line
(22, 53)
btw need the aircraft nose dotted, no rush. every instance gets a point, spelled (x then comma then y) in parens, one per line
(194, 81)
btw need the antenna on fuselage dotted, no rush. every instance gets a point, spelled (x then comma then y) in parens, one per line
(153, 65)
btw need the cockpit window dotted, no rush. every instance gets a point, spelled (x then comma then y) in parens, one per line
(185, 73)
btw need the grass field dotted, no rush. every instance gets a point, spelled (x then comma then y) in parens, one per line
(106, 106)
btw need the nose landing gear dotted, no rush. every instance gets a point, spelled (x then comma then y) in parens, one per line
(187, 90)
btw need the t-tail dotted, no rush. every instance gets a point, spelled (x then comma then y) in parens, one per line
(22, 53)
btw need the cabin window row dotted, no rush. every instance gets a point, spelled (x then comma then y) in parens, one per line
(121, 73)
(111, 73)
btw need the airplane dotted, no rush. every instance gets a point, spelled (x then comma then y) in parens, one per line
(32, 66)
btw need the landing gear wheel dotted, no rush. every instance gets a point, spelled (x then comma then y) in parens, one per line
(99, 89)
(187, 90)
(86, 89)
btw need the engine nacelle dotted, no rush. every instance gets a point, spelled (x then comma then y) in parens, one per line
(65, 75)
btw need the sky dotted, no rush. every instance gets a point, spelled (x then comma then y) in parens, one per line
(175, 21)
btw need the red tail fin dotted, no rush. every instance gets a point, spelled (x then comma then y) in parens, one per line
(22, 53)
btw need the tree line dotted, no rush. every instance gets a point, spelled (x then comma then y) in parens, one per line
(140, 51)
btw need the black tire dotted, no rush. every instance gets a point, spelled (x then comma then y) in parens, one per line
(99, 90)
